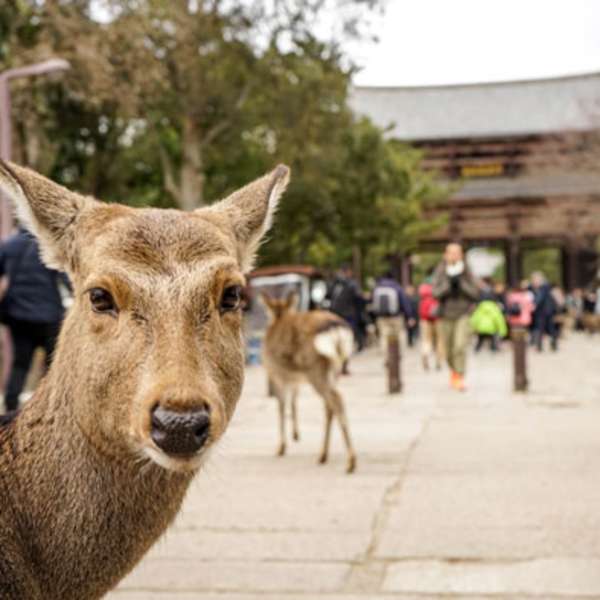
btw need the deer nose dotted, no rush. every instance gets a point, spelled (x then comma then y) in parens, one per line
(180, 433)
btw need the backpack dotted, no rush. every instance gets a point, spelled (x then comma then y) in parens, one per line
(342, 298)
(429, 309)
(386, 302)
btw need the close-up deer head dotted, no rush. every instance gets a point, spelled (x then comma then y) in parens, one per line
(150, 355)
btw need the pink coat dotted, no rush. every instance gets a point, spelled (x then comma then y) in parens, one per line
(523, 299)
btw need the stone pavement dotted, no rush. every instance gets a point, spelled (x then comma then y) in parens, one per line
(485, 494)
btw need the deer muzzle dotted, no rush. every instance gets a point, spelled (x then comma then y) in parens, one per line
(180, 433)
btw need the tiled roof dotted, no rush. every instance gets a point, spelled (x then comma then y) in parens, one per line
(483, 110)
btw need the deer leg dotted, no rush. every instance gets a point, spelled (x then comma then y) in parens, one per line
(280, 391)
(334, 406)
(339, 411)
(281, 404)
(328, 420)
(294, 398)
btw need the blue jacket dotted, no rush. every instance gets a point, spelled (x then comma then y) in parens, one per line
(545, 305)
(32, 293)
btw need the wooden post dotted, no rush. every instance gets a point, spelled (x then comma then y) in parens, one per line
(519, 340)
(393, 363)
(513, 261)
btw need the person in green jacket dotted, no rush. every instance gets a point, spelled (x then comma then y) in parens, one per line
(488, 323)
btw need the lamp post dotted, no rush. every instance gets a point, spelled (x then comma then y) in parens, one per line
(41, 68)
(6, 220)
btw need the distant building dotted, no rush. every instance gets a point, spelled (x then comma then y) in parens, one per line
(523, 155)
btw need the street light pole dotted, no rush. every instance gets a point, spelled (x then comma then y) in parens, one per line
(41, 68)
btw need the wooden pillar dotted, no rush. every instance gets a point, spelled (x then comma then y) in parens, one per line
(514, 261)
(570, 260)
(454, 225)
(513, 255)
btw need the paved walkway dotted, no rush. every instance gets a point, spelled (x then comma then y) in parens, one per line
(476, 495)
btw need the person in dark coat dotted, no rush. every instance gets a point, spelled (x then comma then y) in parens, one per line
(348, 302)
(545, 312)
(31, 308)
(412, 329)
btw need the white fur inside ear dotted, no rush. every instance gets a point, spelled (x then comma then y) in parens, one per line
(24, 213)
(21, 205)
(248, 255)
(273, 203)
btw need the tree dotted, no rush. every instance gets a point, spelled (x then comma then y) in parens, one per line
(199, 69)
(369, 198)
(171, 103)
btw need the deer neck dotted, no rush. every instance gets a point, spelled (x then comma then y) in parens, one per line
(85, 519)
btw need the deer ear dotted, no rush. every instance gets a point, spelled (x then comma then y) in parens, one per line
(250, 211)
(45, 208)
(265, 299)
(292, 300)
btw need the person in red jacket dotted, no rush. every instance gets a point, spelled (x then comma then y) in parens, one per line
(432, 344)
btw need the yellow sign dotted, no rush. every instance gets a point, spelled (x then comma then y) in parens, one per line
(491, 170)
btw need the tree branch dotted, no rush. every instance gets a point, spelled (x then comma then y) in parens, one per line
(169, 173)
(221, 126)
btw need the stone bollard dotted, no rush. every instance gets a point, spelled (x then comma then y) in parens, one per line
(519, 342)
(394, 358)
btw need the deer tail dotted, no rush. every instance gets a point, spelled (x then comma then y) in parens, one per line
(335, 343)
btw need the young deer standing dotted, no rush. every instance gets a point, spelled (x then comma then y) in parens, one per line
(311, 346)
(145, 378)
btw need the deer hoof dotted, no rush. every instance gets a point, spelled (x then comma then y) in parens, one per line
(351, 465)
(281, 450)
(322, 459)
(296, 436)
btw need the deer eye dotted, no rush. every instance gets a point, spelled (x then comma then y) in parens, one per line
(102, 301)
(231, 298)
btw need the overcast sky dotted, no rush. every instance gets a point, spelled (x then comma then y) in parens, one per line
(426, 42)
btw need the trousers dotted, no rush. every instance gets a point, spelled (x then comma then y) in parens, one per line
(456, 334)
(26, 337)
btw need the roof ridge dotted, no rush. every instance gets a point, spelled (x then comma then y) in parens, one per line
(506, 82)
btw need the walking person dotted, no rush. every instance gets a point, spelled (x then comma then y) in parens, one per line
(545, 312)
(412, 327)
(31, 308)
(455, 288)
(347, 301)
(488, 322)
(390, 303)
(432, 343)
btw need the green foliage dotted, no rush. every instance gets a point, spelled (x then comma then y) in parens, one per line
(177, 103)
(369, 198)
(546, 260)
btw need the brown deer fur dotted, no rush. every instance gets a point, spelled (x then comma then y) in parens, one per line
(84, 492)
(309, 347)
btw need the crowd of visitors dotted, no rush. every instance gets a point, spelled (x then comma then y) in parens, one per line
(451, 307)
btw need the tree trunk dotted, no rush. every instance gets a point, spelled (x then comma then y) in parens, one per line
(191, 174)
(357, 262)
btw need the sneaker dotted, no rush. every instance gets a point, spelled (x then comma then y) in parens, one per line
(453, 376)
(459, 383)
